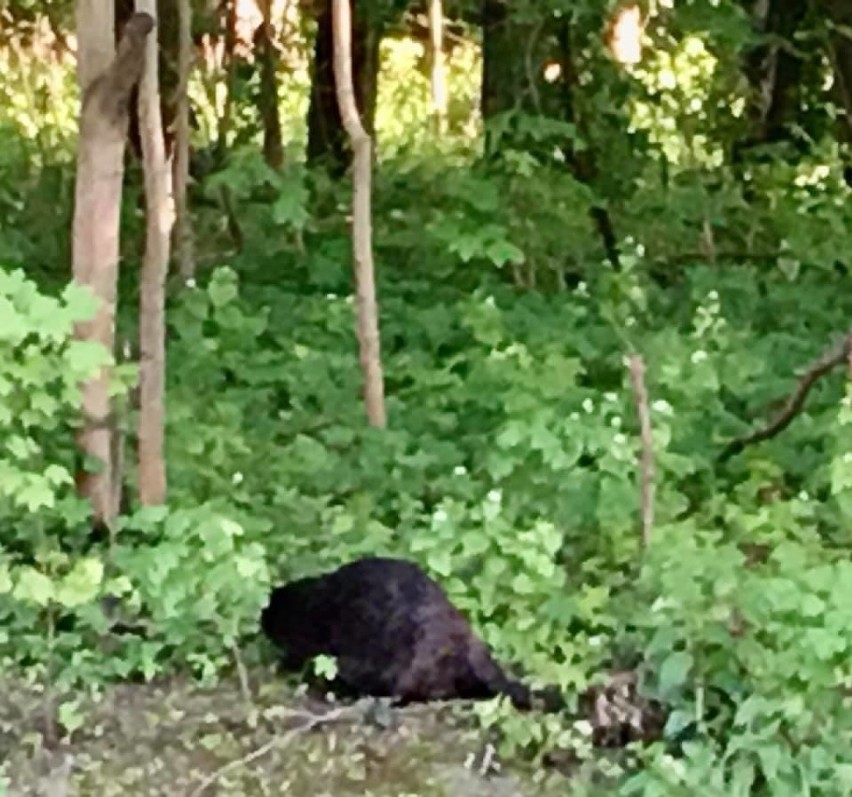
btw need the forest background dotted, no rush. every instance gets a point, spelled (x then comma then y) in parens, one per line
(609, 412)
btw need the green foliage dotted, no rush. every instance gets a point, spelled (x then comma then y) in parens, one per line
(201, 585)
(40, 371)
(755, 659)
(509, 468)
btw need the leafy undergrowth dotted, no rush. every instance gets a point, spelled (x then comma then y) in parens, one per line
(170, 738)
(508, 471)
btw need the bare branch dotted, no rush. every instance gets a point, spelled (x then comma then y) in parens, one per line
(646, 459)
(309, 722)
(824, 364)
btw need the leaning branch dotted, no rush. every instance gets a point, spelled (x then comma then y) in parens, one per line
(823, 365)
(111, 90)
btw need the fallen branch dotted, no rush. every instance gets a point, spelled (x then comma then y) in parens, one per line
(646, 459)
(309, 722)
(824, 364)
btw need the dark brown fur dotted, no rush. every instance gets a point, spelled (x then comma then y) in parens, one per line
(393, 633)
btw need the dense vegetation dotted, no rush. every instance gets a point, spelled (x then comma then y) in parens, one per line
(509, 465)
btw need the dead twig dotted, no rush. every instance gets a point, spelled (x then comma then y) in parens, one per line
(636, 366)
(824, 364)
(309, 722)
(242, 674)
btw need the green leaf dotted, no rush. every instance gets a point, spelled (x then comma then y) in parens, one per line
(440, 561)
(522, 584)
(86, 357)
(325, 667)
(82, 583)
(33, 587)
(475, 542)
(81, 302)
(290, 209)
(70, 716)
(222, 289)
(675, 671)
(13, 326)
(57, 476)
(36, 494)
(502, 252)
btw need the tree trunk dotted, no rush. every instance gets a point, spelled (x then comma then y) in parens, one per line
(167, 35)
(106, 83)
(267, 55)
(362, 245)
(774, 71)
(839, 14)
(229, 63)
(436, 57)
(152, 297)
(583, 162)
(502, 64)
(183, 240)
(327, 137)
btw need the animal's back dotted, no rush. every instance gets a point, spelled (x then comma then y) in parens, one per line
(392, 630)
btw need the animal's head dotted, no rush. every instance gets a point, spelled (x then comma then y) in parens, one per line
(288, 606)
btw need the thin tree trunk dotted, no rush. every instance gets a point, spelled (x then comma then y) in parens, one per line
(229, 62)
(106, 83)
(273, 146)
(96, 45)
(439, 80)
(584, 162)
(362, 245)
(152, 297)
(183, 240)
(327, 136)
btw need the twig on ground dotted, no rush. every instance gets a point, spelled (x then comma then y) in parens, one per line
(309, 722)
(646, 459)
(824, 364)
(242, 674)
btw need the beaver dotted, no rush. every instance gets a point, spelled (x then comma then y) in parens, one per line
(394, 633)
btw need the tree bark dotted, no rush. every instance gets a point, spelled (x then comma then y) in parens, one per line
(106, 83)
(151, 473)
(167, 36)
(267, 55)
(327, 136)
(183, 239)
(362, 245)
(438, 76)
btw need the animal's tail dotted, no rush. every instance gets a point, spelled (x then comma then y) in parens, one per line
(549, 699)
(494, 682)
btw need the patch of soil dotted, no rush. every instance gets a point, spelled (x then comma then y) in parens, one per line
(176, 737)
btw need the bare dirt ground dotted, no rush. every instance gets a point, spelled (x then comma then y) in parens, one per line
(180, 739)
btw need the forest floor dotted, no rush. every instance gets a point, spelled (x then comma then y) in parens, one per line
(180, 739)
